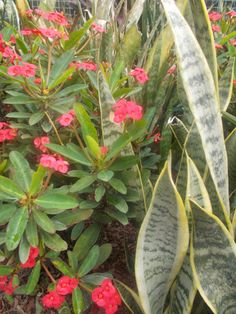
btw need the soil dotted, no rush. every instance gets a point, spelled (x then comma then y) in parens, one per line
(117, 265)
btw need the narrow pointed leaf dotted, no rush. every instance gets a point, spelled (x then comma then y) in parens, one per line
(33, 278)
(43, 221)
(226, 85)
(162, 244)
(89, 261)
(55, 200)
(202, 97)
(54, 242)
(37, 180)
(8, 187)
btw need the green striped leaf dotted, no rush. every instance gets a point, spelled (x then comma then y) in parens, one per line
(110, 130)
(226, 85)
(16, 228)
(158, 256)
(231, 152)
(22, 170)
(213, 259)
(202, 97)
(135, 13)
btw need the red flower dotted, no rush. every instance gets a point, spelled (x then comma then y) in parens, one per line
(3, 282)
(39, 143)
(216, 28)
(66, 285)
(65, 119)
(126, 109)
(99, 297)
(26, 70)
(53, 300)
(62, 166)
(231, 13)
(48, 161)
(98, 28)
(218, 46)
(88, 65)
(108, 288)
(140, 75)
(37, 80)
(172, 69)
(215, 16)
(233, 41)
(33, 254)
(9, 288)
(104, 150)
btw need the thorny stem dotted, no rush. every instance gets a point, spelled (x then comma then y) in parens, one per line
(47, 180)
(48, 272)
(85, 44)
(54, 127)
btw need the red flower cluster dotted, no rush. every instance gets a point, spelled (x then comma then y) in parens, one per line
(6, 285)
(54, 162)
(26, 70)
(66, 118)
(7, 51)
(88, 65)
(31, 261)
(216, 28)
(231, 13)
(55, 298)
(55, 17)
(98, 28)
(214, 16)
(107, 297)
(103, 150)
(6, 133)
(124, 109)
(46, 32)
(39, 143)
(140, 75)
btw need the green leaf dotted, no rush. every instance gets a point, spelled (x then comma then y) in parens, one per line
(62, 267)
(105, 175)
(33, 279)
(54, 242)
(78, 301)
(130, 44)
(86, 241)
(16, 228)
(158, 258)
(32, 232)
(60, 66)
(37, 180)
(204, 106)
(93, 147)
(62, 78)
(18, 115)
(6, 270)
(231, 152)
(73, 216)
(124, 162)
(213, 251)
(118, 202)
(70, 152)
(22, 170)
(8, 187)
(118, 185)
(99, 193)
(24, 249)
(43, 221)
(104, 253)
(226, 85)
(118, 145)
(89, 262)
(117, 215)
(76, 231)
(6, 212)
(130, 298)
(35, 118)
(87, 127)
(82, 183)
(19, 100)
(50, 200)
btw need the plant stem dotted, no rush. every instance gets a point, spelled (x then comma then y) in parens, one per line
(85, 287)
(81, 143)
(54, 127)
(48, 273)
(49, 62)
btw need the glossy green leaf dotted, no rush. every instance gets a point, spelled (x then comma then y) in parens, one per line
(82, 183)
(24, 249)
(6, 212)
(86, 240)
(54, 241)
(77, 230)
(89, 262)
(74, 216)
(33, 278)
(124, 162)
(62, 267)
(118, 185)
(213, 259)
(6, 270)
(87, 126)
(35, 118)
(22, 170)
(93, 147)
(32, 232)
(105, 175)
(104, 253)
(118, 202)
(78, 301)
(43, 221)
(158, 256)
(55, 200)
(8, 187)
(16, 228)
(61, 79)
(60, 65)
(70, 152)
(99, 193)
(37, 180)
(117, 215)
